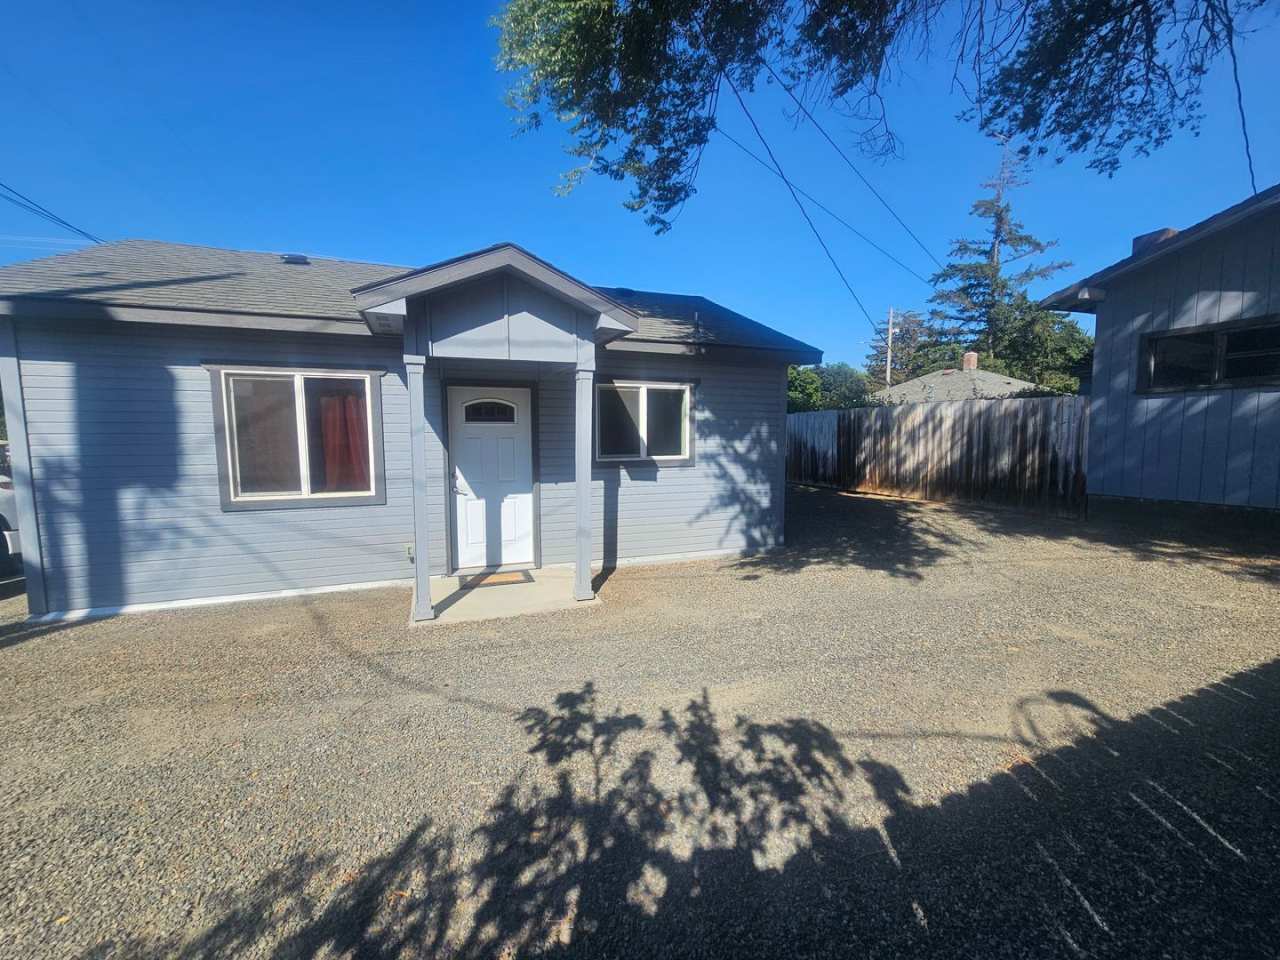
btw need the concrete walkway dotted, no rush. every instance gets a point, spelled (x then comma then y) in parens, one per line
(492, 596)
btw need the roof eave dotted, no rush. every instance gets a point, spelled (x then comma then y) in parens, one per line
(1065, 299)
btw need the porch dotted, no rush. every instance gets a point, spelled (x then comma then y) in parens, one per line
(482, 334)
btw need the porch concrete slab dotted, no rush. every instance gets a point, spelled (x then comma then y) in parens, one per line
(457, 600)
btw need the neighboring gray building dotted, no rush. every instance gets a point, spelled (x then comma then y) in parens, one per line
(1186, 378)
(191, 424)
(967, 383)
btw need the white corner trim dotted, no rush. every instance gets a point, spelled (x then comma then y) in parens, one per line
(92, 613)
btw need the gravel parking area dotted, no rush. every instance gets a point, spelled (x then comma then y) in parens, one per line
(917, 730)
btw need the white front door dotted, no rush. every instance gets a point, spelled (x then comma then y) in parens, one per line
(491, 453)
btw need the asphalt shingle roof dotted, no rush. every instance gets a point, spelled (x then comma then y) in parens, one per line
(157, 274)
(954, 385)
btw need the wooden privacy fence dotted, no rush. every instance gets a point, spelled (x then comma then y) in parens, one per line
(1029, 452)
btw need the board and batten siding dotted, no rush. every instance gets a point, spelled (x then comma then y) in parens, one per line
(1217, 446)
(730, 499)
(120, 426)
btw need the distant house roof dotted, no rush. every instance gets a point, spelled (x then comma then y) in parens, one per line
(954, 385)
(1084, 295)
(161, 276)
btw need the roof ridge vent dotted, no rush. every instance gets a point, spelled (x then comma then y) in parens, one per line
(296, 258)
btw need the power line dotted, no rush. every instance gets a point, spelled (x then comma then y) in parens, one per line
(845, 157)
(24, 202)
(792, 190)
(823, 207)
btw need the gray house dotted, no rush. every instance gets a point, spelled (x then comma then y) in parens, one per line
(192, 424)
(1185, 402)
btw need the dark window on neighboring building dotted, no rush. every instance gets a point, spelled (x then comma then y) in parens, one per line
(1251, 353)
(1184, 361)
(1229, 355)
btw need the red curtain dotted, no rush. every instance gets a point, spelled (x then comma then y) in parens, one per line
(344, 430)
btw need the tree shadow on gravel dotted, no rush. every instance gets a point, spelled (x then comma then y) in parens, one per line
(905, 537)
(695, 835)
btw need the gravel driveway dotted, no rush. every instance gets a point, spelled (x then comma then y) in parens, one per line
(918, 730)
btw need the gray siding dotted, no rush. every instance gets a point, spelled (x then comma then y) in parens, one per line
(1206, 446)
(126, 480)
(730, 498)
(125, 472)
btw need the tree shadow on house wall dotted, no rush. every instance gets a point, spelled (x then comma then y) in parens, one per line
(691, 834)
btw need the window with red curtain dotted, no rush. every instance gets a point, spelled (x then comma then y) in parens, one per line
(337, 434)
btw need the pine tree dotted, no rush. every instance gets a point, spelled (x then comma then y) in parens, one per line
(981, 302)
(909, 334)
(974, 291)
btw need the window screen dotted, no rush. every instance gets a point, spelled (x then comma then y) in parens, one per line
(266, 435)
(665, 422)
(618, 421)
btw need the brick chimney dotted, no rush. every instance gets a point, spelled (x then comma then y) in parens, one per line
(970, 361)
(1145, 241)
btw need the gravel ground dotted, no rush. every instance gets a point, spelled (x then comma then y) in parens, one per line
(918, 730)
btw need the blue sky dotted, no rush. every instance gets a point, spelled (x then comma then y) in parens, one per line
(377, 132)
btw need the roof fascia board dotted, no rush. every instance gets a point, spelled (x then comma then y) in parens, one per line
(42, 309)
(488, 261)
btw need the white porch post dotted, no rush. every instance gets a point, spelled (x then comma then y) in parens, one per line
(414, 366)
(584, 380)
(417, 344)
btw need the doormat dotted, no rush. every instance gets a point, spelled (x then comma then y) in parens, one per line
(495, 579)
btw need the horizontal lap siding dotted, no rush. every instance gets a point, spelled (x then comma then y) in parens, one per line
(126, 479)
(729, 499)
(1213, 446)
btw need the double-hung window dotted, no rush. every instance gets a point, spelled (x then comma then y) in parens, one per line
(643, 421)
(298, 437)
(1235, 354)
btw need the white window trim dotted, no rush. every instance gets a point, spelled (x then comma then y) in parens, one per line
(299, 378)
(645, 386)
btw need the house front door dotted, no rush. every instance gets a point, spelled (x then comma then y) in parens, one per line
(491, 456)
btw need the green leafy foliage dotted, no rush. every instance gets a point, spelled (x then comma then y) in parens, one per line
(804, 390)
(637, 84)
(829, 386)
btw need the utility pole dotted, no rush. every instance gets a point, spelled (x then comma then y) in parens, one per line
(888, 353)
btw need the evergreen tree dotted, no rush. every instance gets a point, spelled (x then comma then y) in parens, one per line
(910, 332)
(973, 293)
(980, 300)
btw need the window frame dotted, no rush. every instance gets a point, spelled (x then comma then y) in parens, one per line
(1221, 331)
(684, 458)
(221, 375)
